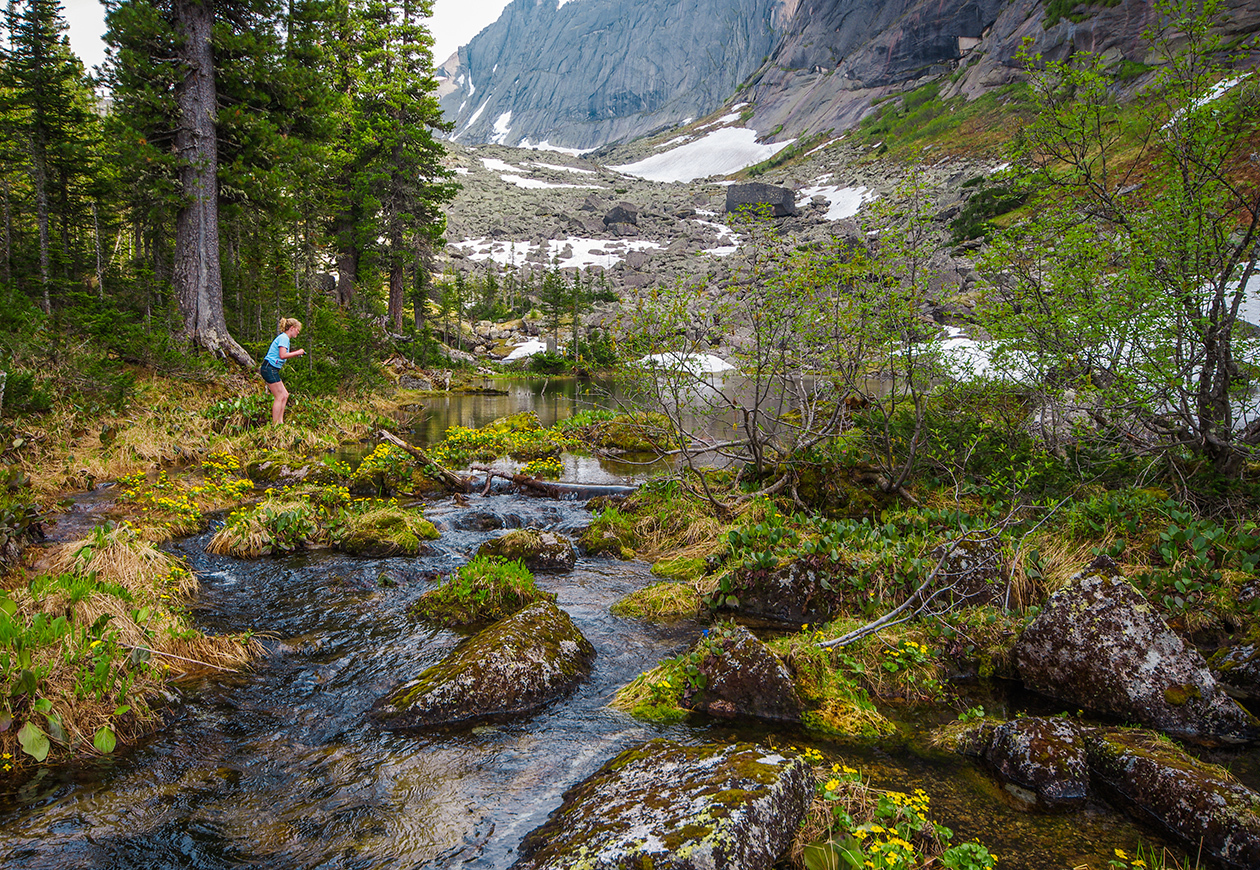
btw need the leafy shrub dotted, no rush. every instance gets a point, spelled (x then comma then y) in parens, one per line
(24, 394)
(546, 363)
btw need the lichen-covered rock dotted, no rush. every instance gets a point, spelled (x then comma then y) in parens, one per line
(742, 678)
(540, 551)
(1238, 669)
(1099, 644)
(780, 201)
(673, 807)
(973, 571)
(808, 589)
(1198, 802)
(1041, 762)
(516, 666)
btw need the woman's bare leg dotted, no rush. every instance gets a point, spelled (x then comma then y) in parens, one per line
(281, 399)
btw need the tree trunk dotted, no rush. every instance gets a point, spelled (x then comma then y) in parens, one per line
(39, 180)
(347, 259)
(197, 279)
(397, 293)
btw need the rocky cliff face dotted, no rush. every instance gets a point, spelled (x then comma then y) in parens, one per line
(591, 72)
(594, 71)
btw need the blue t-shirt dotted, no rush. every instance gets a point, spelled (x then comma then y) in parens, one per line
(273, 353)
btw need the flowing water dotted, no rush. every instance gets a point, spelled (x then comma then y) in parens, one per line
(280, 768)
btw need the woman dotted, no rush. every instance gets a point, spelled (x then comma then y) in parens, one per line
(274, 361)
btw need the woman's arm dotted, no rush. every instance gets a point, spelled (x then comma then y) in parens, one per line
(285, 353)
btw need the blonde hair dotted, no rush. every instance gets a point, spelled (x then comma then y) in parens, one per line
(287, 323)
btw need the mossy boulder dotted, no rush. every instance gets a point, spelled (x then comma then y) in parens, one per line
(513, 668)
(1197, 802)
(611, 532)
(742, 678)
(1040, 762)
(669, 806)
(1099, 644)
(540, 550)
(281, 469)
(385, 531)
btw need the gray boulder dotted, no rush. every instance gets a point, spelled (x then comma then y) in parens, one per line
(515, 667)
(781, 200)
(622, 213)
(973, 571)
(1041, 762)
(1099, 644)
(673, 807)
(1199, 803)
(742, 678)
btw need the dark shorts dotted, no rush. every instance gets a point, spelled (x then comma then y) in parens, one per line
(269, 373)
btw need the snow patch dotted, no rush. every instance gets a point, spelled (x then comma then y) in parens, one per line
(718, 153)
(461, 170)
(842, 202)
(502, 126)
(539, 184)
(476, 114)
(585, 252)
(560, 168)
(694, 363)
(496, 165)
(547, 146)
(529, 348)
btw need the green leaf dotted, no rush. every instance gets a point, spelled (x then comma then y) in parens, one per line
(104, 740)
(820, 856)
(34, 741)
(124, 708)
(6, 720)
(8, 606)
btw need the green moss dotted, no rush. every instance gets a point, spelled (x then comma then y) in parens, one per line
(663, 601)
(383, 530)
(610, 532)
(1180, 695)
(683, 569)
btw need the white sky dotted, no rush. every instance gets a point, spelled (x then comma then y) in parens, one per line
(453, 24)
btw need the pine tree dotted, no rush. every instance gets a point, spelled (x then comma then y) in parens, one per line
(50, 125)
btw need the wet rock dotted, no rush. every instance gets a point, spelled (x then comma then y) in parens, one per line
(515, 667)
(539, 550)
(742, 678)
(1238, 669)
(1041, 762)
(673, 807)
(1099, 644)
(781, 200)
(974, 571)
(1198, 802)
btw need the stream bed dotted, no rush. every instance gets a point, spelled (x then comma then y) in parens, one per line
(279, 767)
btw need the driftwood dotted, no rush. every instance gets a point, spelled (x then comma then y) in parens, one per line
(450, 478)
(520, 480)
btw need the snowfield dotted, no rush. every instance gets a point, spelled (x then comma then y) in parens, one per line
(718, 153)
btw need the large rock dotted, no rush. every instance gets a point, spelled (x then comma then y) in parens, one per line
(1238, 669)
(781, 200)
(1198, 802)
(516, 666)
(973, 571)
(673, 807)
(1099, 644)
(540, 551)
(622, 213)
(742, 678)
(808, 589)
(1041, 762)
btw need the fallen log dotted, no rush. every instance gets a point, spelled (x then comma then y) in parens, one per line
(533, 483)
(454, 481)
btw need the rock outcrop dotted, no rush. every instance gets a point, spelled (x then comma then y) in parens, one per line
(1238, 669)
(674, 807)
(1099, 644)
(1199, 803)
(749, 196)
(515, 667)
(742, 678)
